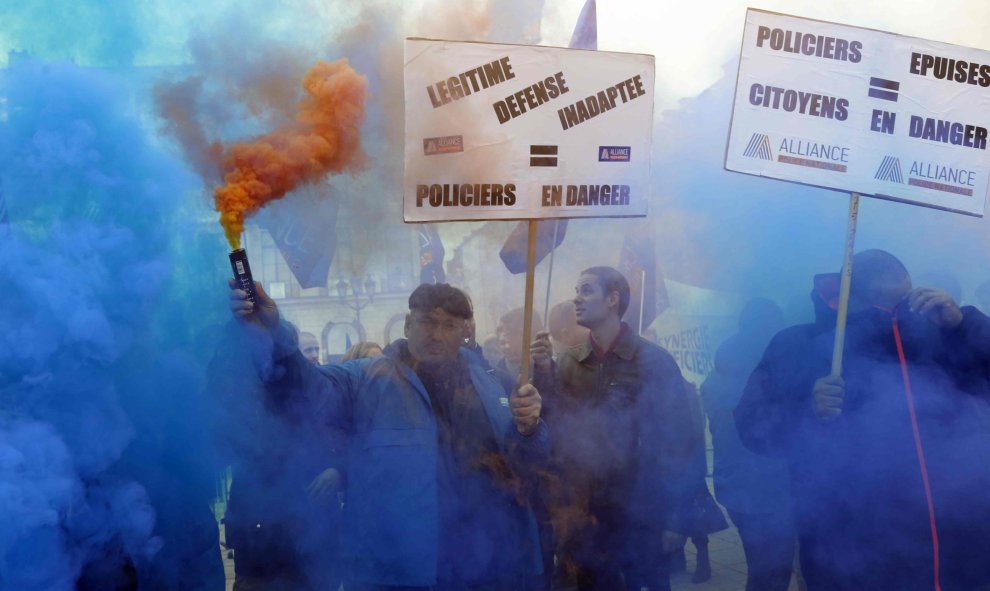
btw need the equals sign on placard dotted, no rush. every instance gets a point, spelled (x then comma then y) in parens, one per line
(543, 155)
(884, 89)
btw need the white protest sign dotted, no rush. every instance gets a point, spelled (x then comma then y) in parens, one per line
(515, 132)
(863, 111)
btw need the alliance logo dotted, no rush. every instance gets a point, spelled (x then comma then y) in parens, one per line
(813, 154)
(447, 144)
(939, 177)
(890, 170)
(759, 147)
(614, 153)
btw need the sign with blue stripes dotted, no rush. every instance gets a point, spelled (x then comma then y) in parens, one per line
(863, 111)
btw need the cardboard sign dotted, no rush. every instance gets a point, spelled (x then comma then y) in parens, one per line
(515, 132)
(863, 111)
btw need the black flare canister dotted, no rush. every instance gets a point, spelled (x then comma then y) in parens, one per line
(242, 273)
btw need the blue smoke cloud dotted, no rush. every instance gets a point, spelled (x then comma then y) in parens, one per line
(87, 265)
(112, 284)
(114, 274)
(88, 32)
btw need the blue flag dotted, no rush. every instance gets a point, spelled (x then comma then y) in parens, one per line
(306, 233)
(648, 290)
(431, 255)
(586, 32)
(513, 252)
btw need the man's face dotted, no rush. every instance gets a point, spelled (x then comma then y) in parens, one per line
(591, 304)
(434, 337)
(310, 348)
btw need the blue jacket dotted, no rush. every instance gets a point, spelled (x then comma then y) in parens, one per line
(392, 511)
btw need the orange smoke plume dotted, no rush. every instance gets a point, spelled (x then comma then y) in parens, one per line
(324, 139)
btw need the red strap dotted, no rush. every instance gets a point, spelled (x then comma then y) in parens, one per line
(918, 448)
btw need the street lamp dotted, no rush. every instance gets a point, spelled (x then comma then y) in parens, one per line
(363, 295)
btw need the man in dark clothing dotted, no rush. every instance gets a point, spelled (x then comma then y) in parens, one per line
(752, 487)
(621, 463)
(283, 515)
(439, 459)
(889, 464)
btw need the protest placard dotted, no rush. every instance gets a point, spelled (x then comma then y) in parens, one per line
(524, 132)
(863, 111)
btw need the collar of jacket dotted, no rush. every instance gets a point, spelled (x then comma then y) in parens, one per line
(625, 348)
(399, 348)
(491, 399)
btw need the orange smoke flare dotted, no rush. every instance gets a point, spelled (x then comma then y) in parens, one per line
(324, 139)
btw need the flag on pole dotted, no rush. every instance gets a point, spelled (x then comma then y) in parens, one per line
(648, 292)
(431, 255)
(307, 242)
(585, 34)
(513, 252)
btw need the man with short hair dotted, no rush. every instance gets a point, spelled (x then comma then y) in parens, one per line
(439, 457)
(889, 462)
(310, 347)
(621, 465)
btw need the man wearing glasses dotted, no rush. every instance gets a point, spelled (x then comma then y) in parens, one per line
(439, 457)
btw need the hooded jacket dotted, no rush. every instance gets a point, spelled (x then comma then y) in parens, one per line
(857, 483)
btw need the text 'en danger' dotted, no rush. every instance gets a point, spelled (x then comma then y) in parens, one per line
(584, 195)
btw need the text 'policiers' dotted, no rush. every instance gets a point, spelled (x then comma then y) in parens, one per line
(481, 194)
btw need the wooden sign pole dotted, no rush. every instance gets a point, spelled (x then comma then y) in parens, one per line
(847, 268)
(553, 249)
(528, 318)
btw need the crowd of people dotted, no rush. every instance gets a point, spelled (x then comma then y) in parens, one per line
(428, 463)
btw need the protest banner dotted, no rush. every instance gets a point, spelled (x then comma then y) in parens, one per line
(509, 132)
(522, 132)
(692, 325)
(862, 111)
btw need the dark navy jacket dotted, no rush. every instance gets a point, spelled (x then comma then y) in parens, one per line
(860, 503)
